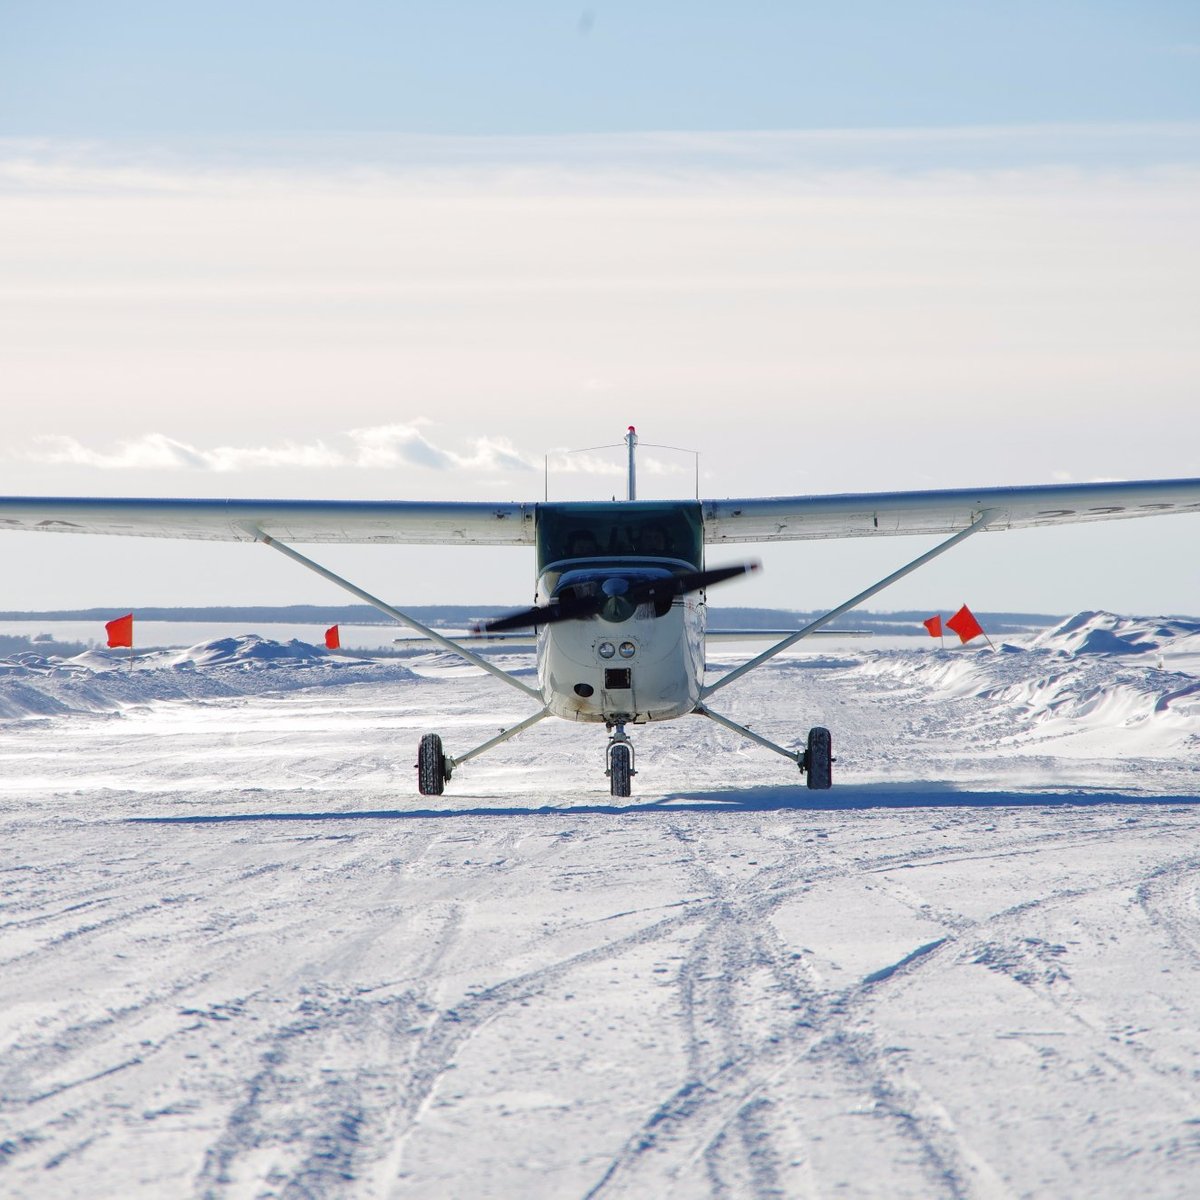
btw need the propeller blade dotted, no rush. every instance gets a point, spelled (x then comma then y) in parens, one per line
(659, 592)
(689, 581)
(565, 609)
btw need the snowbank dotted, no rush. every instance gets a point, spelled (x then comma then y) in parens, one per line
(1096, 670)
(102, 681)
(1106, 633)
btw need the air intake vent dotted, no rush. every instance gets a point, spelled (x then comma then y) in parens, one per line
(616, 678)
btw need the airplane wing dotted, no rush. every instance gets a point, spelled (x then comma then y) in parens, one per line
(785, 518)
(412, 522)
(876, 514)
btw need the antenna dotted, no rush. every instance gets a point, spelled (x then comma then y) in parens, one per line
(632, 441)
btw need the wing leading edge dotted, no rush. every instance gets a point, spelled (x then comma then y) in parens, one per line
(463, 523)
(880, 514)
(383, 521)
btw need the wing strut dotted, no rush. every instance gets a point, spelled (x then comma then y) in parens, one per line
(502, 736)
(976, 525)
(797, 756)
(397, 615)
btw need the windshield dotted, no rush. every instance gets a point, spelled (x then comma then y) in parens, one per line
(612, 589)
(624, 530)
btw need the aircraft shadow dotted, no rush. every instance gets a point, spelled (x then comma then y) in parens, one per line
(847, 798)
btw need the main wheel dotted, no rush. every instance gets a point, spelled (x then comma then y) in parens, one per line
(620, 764)
(818, 758)
(431, 766)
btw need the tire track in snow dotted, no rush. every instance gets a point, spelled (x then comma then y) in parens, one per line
(953, 1165)
(1005, 943)
(356, 1139)
(1170, 898)
(722, 1114)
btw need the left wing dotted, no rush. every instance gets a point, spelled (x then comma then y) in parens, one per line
(414, 522)
(878, 514)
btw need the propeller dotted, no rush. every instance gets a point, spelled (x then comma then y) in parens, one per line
(617, 598)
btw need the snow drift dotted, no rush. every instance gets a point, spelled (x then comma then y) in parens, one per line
(98, 681)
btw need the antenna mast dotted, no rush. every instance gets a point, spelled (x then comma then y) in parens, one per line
(631, 440)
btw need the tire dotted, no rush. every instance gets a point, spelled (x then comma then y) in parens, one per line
(818, 759)
(431, 766)
(620, 763)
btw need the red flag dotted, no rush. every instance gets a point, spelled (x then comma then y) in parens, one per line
(934, 625)
(120, 631)
(332, 640)
(964, 624)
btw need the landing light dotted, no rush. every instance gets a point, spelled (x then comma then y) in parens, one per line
(606, 649)
(628, 649)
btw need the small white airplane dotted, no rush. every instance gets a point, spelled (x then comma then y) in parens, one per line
(619, 607)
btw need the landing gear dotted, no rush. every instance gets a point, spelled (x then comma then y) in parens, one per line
(435, 766)
(815, 760)
(620, 763)
(432, 768)
(818, 759)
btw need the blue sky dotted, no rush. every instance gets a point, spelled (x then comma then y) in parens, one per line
(107, 68)
(405, 250)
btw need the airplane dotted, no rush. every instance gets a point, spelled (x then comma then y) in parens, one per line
(620, 601)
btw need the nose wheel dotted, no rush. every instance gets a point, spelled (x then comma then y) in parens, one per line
(619, 759)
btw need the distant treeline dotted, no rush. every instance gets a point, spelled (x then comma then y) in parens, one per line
(893, 623)
(42, 644)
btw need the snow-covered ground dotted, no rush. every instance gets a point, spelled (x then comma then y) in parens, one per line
(241, 957)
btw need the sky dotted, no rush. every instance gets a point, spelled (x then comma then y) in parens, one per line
(414, 250)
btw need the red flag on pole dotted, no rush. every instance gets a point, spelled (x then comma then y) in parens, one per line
(332, 640)
(934, 625)
(964, 624)
(120, 631)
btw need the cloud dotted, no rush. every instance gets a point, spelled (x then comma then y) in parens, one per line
(661, 159)
(154, 452)
(585, 462)
(382, 446)
(397, 445)
(568, 462)
(406, 445)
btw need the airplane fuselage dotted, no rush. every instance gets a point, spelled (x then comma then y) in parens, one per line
(643, 668)
(628, 661)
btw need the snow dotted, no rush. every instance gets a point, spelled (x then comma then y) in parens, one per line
(1106, 633)
(242, 957)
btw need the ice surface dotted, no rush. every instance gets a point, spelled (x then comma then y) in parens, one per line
(241, 957)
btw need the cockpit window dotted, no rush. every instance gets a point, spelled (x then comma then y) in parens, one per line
(614, 592)
(628, 530)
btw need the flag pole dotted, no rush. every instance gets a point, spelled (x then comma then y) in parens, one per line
(985, 635)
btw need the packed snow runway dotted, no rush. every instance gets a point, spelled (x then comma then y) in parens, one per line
(241, 956)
